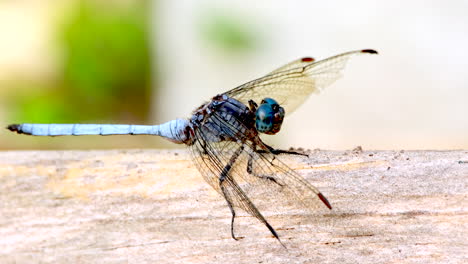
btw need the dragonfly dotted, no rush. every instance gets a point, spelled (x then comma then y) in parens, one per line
(223, 135)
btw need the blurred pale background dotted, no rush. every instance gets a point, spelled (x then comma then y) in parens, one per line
(147, 62)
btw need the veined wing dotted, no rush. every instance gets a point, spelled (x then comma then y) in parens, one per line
(267, 173)
(294, 64)
(292, 83)
(246, 177)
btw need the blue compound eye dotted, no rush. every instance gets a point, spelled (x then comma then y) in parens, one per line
(264, 118)
(269, 101)
(269, 117)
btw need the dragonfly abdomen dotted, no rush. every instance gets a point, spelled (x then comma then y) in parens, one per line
(175, 130)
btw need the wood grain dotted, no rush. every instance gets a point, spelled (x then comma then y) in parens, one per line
(152, 206)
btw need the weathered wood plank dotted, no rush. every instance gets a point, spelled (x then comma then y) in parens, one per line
(150, 206)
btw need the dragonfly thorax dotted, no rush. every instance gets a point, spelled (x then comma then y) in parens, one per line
(224, 119)
(269, 117)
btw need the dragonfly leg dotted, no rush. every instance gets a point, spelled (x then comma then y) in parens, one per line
(223, 180)
(253, 105)
(230, 188)
(251, 171)
(233, 212)
(250, 208)
(282, 151)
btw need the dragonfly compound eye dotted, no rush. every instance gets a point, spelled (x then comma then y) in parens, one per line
(269, 117)
(269, 101)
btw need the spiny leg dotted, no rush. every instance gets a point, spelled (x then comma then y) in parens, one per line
(267, 150)
(226, 180)
(281, 151)
(222, 181)
(231, 208)
(250, 166)
(250, 209)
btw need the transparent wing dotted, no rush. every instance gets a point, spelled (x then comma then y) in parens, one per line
(292, 84)
(251, 178)
(294, 64)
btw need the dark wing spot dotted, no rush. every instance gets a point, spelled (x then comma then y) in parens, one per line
(307, 59)
(370, 51)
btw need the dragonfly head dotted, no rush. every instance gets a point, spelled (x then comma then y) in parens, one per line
(269, 117)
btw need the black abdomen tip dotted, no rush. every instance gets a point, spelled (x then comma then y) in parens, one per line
(14, 128)
(370, 51)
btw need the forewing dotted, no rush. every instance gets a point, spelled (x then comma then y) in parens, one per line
(212, 159)
(294, 82)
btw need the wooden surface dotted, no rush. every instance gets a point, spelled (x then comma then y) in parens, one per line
(152, 206)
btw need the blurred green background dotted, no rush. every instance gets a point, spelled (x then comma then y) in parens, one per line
(104, 73)
(106, 70)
